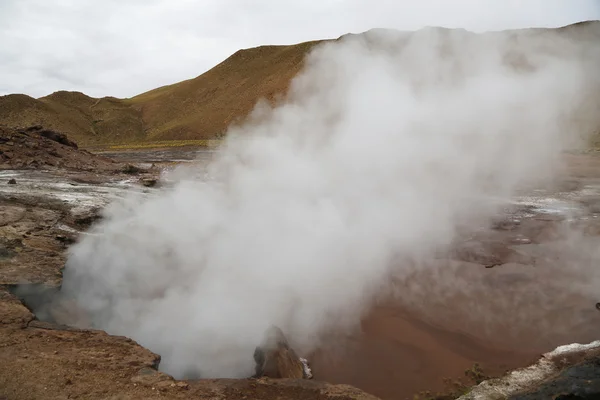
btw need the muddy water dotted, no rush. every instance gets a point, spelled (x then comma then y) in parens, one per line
(511, 293)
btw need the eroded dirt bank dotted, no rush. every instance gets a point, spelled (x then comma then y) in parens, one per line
(501, 299)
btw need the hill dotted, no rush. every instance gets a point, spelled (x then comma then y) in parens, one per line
(199, 108)
(192, 110)
(87, 120)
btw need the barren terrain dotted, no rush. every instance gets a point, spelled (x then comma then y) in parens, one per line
(42, 210)
(506, 291)
(413, 342)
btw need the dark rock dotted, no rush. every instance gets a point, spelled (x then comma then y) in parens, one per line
(148, 182)
(54, 153)
(6, 253)
(581, 381)
(83, 213)
(568, 372)
(65, 239)
(58, 137)
(275, 358)
(12, 311)
(87, 220)
(33, 128)
(131, 169)
(33, 163)
(12, 181)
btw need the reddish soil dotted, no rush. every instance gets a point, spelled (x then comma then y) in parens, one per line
(500, 298)
(398, 356)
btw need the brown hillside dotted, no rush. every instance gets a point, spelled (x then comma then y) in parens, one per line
(86, 120)
(199, 108)
(205, 106)
(21, 110)
(106, 120)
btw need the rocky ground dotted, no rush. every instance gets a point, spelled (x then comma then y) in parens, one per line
(36, 147)
(50, 192)
(568, 372)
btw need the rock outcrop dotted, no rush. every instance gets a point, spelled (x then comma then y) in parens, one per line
(52, 135)
(276, 359)
(569, 372)
(36, 147)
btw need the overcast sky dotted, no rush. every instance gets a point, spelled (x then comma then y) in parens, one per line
(125, 47)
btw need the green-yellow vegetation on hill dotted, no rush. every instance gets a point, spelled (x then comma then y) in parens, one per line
(205, 106)
(87, 120)
(187, 113)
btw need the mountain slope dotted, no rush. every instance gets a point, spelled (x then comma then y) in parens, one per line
(87, 120)
(199, 108)
(205, 106)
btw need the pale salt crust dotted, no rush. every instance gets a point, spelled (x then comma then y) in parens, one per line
(43, 184)
(525, 378)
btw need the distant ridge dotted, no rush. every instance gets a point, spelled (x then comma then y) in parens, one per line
(194, 109)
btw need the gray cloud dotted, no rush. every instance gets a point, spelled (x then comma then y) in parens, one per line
(122, 48)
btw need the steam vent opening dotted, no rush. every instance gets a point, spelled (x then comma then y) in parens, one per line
(273, 356)
(404, 214)
(38, 298)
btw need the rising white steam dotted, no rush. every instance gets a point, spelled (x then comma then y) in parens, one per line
(387, 143)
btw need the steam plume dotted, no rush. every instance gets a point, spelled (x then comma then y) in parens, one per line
(386, 144)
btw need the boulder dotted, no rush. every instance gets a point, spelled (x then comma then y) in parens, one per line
(148, 182)
(131, 169)
(49, 134)
(58, 137)
(276, 359)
